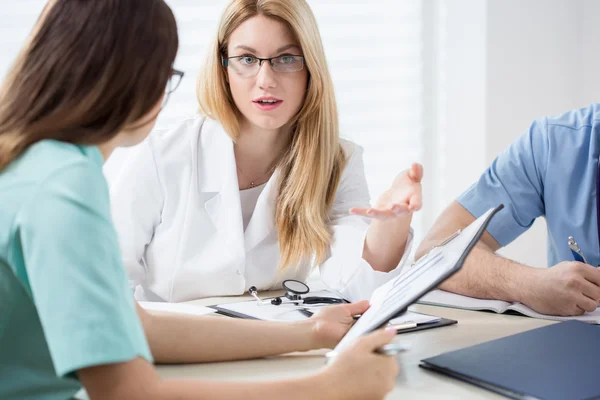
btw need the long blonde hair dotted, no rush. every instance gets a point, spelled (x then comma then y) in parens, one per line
(310, 170)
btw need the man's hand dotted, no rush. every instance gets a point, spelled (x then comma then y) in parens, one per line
(569, 288)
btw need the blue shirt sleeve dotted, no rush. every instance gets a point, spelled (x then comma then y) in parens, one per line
(75, 273)
(515, 179)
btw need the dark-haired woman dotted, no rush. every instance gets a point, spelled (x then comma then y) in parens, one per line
(91, 78)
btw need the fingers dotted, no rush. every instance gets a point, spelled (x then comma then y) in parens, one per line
(578, 311)
(400, 209)
(394, 369)
(589, 287)
(357, 308)
(372, 213)
(591, 274)
(389, 368)
(375, 213)
(590, 290)
(396, 210)
(415, 173)
(377, 339)
(587, 304)
(415, 202)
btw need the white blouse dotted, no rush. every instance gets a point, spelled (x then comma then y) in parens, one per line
(248, 200)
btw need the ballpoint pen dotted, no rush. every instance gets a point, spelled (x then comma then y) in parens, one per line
(306, 312)
(576, 251)
(390, 349)
(309, 314)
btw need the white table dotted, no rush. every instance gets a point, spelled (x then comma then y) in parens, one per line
(413, 382)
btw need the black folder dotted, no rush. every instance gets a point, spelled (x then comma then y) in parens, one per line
(556, 362)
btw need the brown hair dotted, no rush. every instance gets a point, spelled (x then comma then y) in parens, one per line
(90, 68)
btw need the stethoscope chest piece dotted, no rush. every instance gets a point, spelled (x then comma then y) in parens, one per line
(295, 289)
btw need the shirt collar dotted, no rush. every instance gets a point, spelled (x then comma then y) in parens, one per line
(93, 153)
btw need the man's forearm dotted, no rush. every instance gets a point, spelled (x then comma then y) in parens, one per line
(185, 339)
(486, 275)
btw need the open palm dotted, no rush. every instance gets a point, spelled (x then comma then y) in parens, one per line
(404, 196)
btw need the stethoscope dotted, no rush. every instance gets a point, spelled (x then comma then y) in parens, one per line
(293, 296)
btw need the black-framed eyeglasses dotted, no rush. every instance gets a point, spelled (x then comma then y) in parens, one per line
(172, 85)
(248, 66)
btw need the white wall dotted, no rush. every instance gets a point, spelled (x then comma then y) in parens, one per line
(538, 58)
(459, 98)
(590, 83)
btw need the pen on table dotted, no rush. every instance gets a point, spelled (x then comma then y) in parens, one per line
(390, 349)
(306, 312)
(576, 251)
(403, 325)
(309, 313)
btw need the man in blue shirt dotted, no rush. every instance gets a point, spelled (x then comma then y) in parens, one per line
(550, 171)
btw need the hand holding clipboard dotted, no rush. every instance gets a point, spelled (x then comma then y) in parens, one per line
(394, 297)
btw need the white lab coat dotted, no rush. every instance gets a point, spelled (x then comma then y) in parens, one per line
(176, 208)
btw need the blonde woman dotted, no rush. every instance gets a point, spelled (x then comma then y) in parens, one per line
(260, 188)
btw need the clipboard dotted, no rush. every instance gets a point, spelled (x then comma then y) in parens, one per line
(297, 316)
(394, 297)
(233, 314)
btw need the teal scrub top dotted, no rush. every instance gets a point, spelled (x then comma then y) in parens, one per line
(64, 297)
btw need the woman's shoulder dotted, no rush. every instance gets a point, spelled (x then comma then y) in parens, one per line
(184, 139)
(180, 134)
(351, 149)
(48, 160)
(188, 130)
(60, 170)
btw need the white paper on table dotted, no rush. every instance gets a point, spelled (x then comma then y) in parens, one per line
(178, 308)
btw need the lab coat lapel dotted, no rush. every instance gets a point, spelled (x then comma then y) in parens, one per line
(217, 179)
